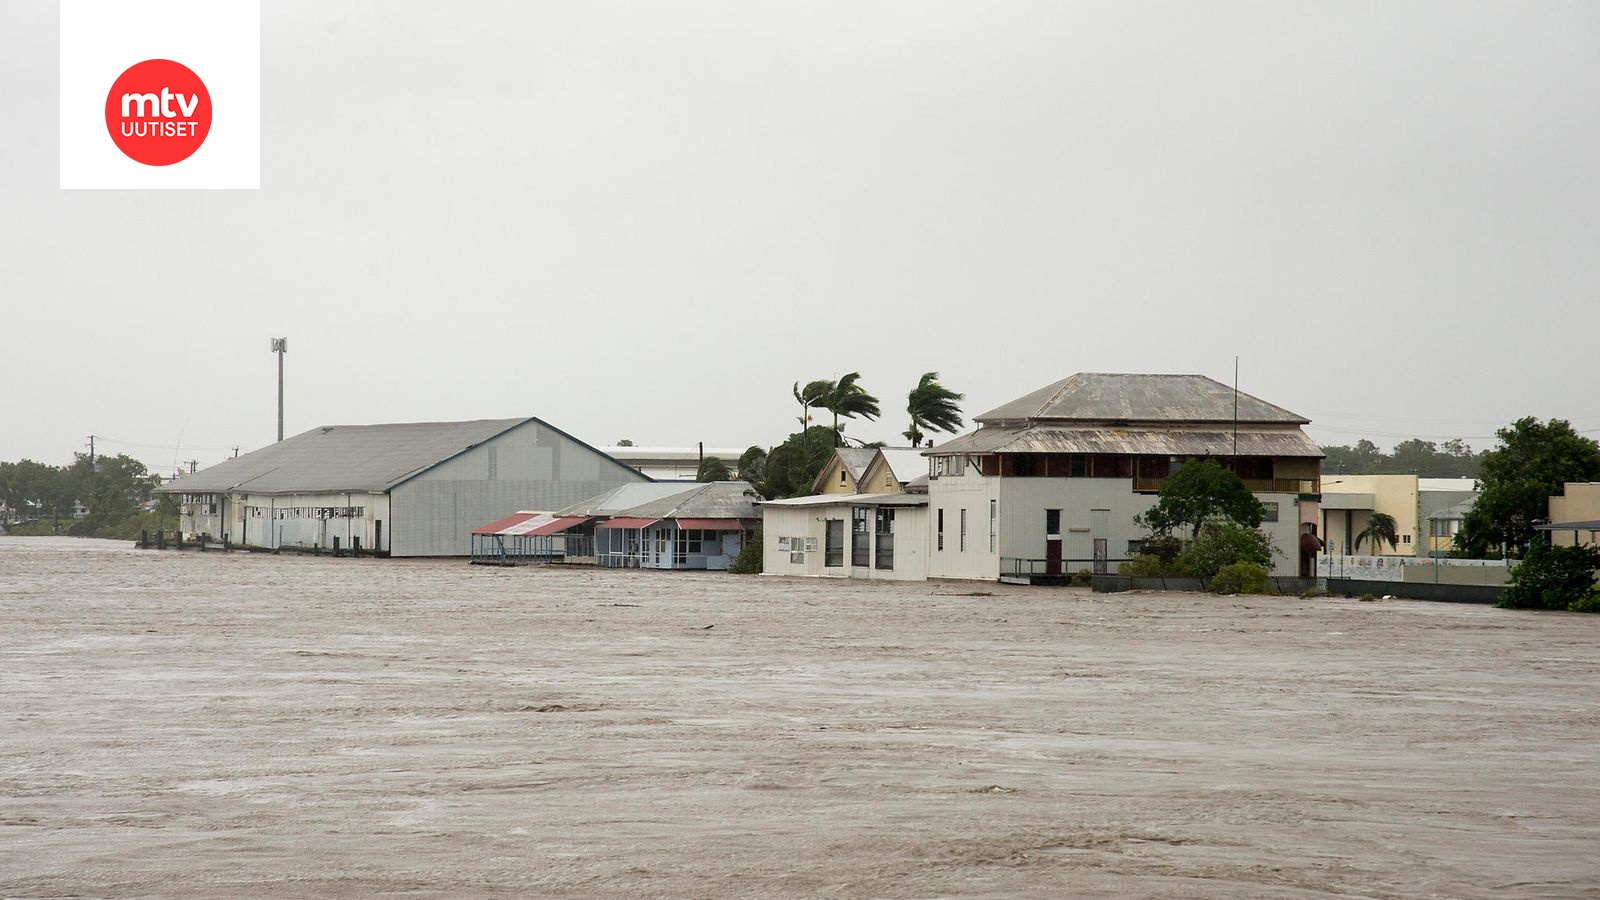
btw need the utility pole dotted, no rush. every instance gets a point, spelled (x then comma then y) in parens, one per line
(280, 346)
(193, 465)
(236, 449)
(91, 453)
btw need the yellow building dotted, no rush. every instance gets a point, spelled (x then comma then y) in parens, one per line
(1575, 515)
(843, 471)
(1349, 502)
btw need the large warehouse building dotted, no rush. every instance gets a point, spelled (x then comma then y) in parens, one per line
(414, 489)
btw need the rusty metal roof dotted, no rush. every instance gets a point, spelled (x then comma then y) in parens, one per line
(1108, 397)
(1278, 442)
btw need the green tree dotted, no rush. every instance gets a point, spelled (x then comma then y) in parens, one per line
(810, 397)
(1363, 459)
(847, 398)
(1552, 577)
(1380, 530)
(713, 469)
(792, 466)
(1220, 544)
(1532, 463)
(1201, 490)
(933, 407)
(753, 465)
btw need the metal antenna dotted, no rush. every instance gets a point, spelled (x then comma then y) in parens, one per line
(280, 346)
(1236, 412)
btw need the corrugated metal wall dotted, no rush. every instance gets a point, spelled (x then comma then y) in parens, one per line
(534, 467)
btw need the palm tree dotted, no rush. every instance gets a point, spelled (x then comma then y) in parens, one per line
(932, 406)
(847, 398)
(810, 397)
(1379, 530)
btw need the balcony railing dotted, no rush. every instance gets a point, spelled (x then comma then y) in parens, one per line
(1256, 485)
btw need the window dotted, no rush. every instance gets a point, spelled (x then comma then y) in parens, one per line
(885, 536)
(994, 516)
(1135, 547)
(834, 556)
(1077, 466)
(963, 531)
(940, 531)
(860, 536)
(841, 476)
(1405, 538)
(1269, 510)
(1052, 521)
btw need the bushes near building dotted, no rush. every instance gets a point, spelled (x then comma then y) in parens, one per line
(748, 562)
(1241, 578)
(1554, 578)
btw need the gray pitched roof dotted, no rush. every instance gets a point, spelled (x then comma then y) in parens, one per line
(855, 459)
(667, 500)
(1288, 442)
(336, 458)
(1104, 397)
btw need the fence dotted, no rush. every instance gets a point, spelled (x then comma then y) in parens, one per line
(1491, 572)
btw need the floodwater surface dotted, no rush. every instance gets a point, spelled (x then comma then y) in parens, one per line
(211, 725)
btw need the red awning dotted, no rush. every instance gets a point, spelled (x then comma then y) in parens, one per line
(626, 522)
(500, 525)
(712, 524)
(560, 524)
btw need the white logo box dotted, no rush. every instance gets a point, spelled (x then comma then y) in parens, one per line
(219, 39)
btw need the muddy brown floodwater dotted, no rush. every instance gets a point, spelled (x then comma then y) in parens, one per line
(221, 725)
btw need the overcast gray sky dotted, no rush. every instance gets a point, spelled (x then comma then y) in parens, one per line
(647, 220)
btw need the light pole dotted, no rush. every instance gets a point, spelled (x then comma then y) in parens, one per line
(280, 346)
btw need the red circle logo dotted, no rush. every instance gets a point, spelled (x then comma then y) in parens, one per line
(158, 112)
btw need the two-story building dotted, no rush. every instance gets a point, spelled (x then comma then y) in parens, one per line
(1049, 484)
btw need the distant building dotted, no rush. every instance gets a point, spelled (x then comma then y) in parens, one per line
(1349, 501)
(1050, 483)
(673, 463)
(1575, 515)
(414, 489)
(1445, 524)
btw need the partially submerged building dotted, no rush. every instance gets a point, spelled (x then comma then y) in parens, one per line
(412, 489)
(1050, 483)
(879, 532)
(662, 525)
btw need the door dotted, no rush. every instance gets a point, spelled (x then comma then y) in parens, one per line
(1100, 534)
(1052, 542)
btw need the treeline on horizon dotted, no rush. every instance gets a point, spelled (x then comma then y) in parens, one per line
(1426, 459)
(113, 490)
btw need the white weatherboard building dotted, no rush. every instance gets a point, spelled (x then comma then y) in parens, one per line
(870, 521)
(413, 489)
(1050, 483)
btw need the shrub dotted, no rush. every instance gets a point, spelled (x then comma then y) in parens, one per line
(1241, 578)
(1589, 604)
(1222, 544)
(1142, 566)
(1164, 547)
(1082, 578)
(748, 562)
(1552, 577)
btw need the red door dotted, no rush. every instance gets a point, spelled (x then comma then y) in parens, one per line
(1052, 542)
